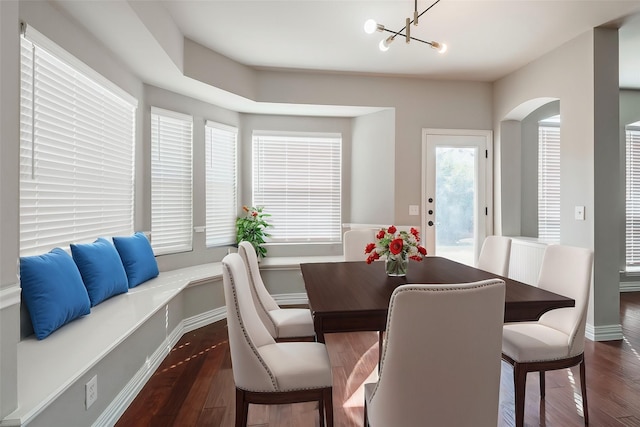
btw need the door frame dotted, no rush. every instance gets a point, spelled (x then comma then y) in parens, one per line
(488, 177)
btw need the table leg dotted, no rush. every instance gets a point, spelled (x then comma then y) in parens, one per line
(317, 325)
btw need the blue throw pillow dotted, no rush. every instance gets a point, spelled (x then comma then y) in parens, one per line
(52, 290)
(137, 258)
(101, 270)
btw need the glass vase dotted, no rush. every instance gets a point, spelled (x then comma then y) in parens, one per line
(396, 265)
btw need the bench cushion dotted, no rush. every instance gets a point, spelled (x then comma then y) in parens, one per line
(101, 270)
(52, 290)
(137, 258)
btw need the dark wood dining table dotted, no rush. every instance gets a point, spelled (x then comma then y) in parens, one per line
(354, 296)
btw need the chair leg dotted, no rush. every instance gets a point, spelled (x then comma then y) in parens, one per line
(321, 410)
(366, 419)
(327, 395)
(520, 385)
(542, 385)
(242, 409)
(583, 387)
(380, 344)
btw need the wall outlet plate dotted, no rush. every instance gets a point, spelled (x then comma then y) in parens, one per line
(414, 210)
(579, 213)
(91, 392)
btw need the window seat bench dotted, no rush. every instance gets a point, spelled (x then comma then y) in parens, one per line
(122, 341)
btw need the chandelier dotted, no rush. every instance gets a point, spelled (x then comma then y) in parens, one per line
(372, 26)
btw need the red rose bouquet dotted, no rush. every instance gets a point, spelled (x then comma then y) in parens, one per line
(398, 247)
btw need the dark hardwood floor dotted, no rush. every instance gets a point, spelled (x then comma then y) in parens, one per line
(194, 384)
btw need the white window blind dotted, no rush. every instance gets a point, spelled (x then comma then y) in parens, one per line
(220, 157)
(171, 181)
(549, 183)
(297, 178)
(633, 198)
(76, 153)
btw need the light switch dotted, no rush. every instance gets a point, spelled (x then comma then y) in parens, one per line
(414, 210)
(579, 213)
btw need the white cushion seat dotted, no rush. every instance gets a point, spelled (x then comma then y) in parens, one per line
(292, 322)
(298, 365)
(532, 342)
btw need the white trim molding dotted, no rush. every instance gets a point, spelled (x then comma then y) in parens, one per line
(10, 296)
(630, 286)
(604, 333)
(291, 299)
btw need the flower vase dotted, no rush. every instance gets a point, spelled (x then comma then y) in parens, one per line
(396, 265)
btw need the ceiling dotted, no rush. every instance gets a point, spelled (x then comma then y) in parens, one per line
(487, 39)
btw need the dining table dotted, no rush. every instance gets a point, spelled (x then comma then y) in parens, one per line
(354, 296)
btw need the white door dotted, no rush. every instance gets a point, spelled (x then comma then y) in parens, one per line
(456, 181)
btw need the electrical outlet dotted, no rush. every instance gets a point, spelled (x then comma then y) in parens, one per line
(414, 210)
(579, 213)
(91, 392)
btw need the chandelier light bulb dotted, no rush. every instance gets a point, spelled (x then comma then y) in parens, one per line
(384, 44)
(440, 47)
(370, 26)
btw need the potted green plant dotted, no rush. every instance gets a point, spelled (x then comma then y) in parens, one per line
(251, 228)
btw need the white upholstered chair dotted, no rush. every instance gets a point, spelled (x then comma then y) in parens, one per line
(494, 255)
(284, 324)
(264, 371)
(354, 241)
(556, 340)
(441, 358)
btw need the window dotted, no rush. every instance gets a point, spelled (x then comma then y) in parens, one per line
(297, 178)
(220, 157)
(171, 180)
(549, 179)
(77, 137)
(633, 196)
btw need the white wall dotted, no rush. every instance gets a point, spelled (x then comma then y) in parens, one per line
(373, 168)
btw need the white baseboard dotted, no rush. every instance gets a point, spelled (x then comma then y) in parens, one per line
(204, 319)
(604, 333)
(629, 286)
(291, 299)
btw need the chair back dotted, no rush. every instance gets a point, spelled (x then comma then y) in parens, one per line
(247, 333)
(566, 270)
(262, 299)
(495, 254)
(354, 241)
(441, 360)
